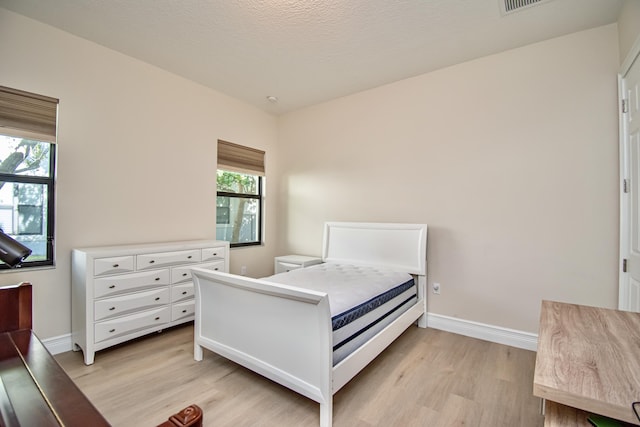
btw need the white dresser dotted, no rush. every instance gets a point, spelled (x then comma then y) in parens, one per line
(123, 292)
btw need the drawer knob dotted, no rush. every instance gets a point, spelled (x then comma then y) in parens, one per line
(215, 269)
(112, 308)
(184, 274)
(158, 318)
(184, 292)
(215, 254)
(116, 265)
(189, 257)
(157, 298)
(112, 286)
(184, 311)
(152, 261)
(111, 331)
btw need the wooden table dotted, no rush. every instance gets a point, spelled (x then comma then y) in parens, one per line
(588, 358)
(35, 390)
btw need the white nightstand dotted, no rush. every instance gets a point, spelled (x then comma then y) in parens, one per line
(291, 262)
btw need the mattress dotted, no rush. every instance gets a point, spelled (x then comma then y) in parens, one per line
(363, 300)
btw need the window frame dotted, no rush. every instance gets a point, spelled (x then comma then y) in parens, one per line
(49, 182)
(258, 197)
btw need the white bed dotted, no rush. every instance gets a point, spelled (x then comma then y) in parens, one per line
(284, 332)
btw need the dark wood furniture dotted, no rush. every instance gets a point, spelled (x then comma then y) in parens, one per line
(15, 307)
(39, 391)
(34, 389)
(191, 416)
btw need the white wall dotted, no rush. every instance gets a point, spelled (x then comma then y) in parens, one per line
(511, 159)
(136, 157)
(628, 28)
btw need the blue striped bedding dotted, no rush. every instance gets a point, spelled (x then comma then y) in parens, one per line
(363, 300)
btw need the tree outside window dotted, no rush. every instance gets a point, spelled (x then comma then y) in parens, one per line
(239, 208)
(26, 195)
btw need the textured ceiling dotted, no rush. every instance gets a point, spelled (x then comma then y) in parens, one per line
(308, 51)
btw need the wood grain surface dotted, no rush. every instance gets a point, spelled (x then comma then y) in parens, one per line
(589, 358)
(559, 415)
(426, 377)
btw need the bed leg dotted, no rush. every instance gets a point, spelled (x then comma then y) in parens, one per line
(197, 352)
(326, 413)
(422, 295)
(422, 320)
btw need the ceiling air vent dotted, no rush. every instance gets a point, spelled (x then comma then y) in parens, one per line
(510, 6)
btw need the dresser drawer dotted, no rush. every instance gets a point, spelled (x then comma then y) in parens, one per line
(218, 252)
(287, 263)
(183, 274)
(182, 291)
(113, 265)
(163, 259)
(114, 285)
(183, 309)
(284, 267)
(114, 328)
(138, 301)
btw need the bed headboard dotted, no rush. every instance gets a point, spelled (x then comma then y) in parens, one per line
(397, 246)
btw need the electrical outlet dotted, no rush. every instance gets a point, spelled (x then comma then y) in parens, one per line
(243, 270)
(436, 288)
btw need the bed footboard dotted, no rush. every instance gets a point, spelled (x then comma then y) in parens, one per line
(284, 333)
(278, 331)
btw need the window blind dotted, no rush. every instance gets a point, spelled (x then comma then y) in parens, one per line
(28, 115)
(238, 158)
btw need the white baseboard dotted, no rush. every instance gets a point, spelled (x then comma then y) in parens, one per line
(511, 337)
(514, 338)
(59, 344)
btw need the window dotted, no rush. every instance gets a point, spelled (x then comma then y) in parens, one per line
(27, 172)
(239, 194)
(239, 208)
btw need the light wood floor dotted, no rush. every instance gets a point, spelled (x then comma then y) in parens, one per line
(425, 378)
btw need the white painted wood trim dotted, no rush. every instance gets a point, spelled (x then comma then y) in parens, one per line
(59, 344)
(625, 224)
(631, 56)
(625, 221)
(483, 331)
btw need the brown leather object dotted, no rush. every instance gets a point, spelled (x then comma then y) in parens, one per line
(191, 416)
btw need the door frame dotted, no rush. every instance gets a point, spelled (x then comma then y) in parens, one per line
(625, 220)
